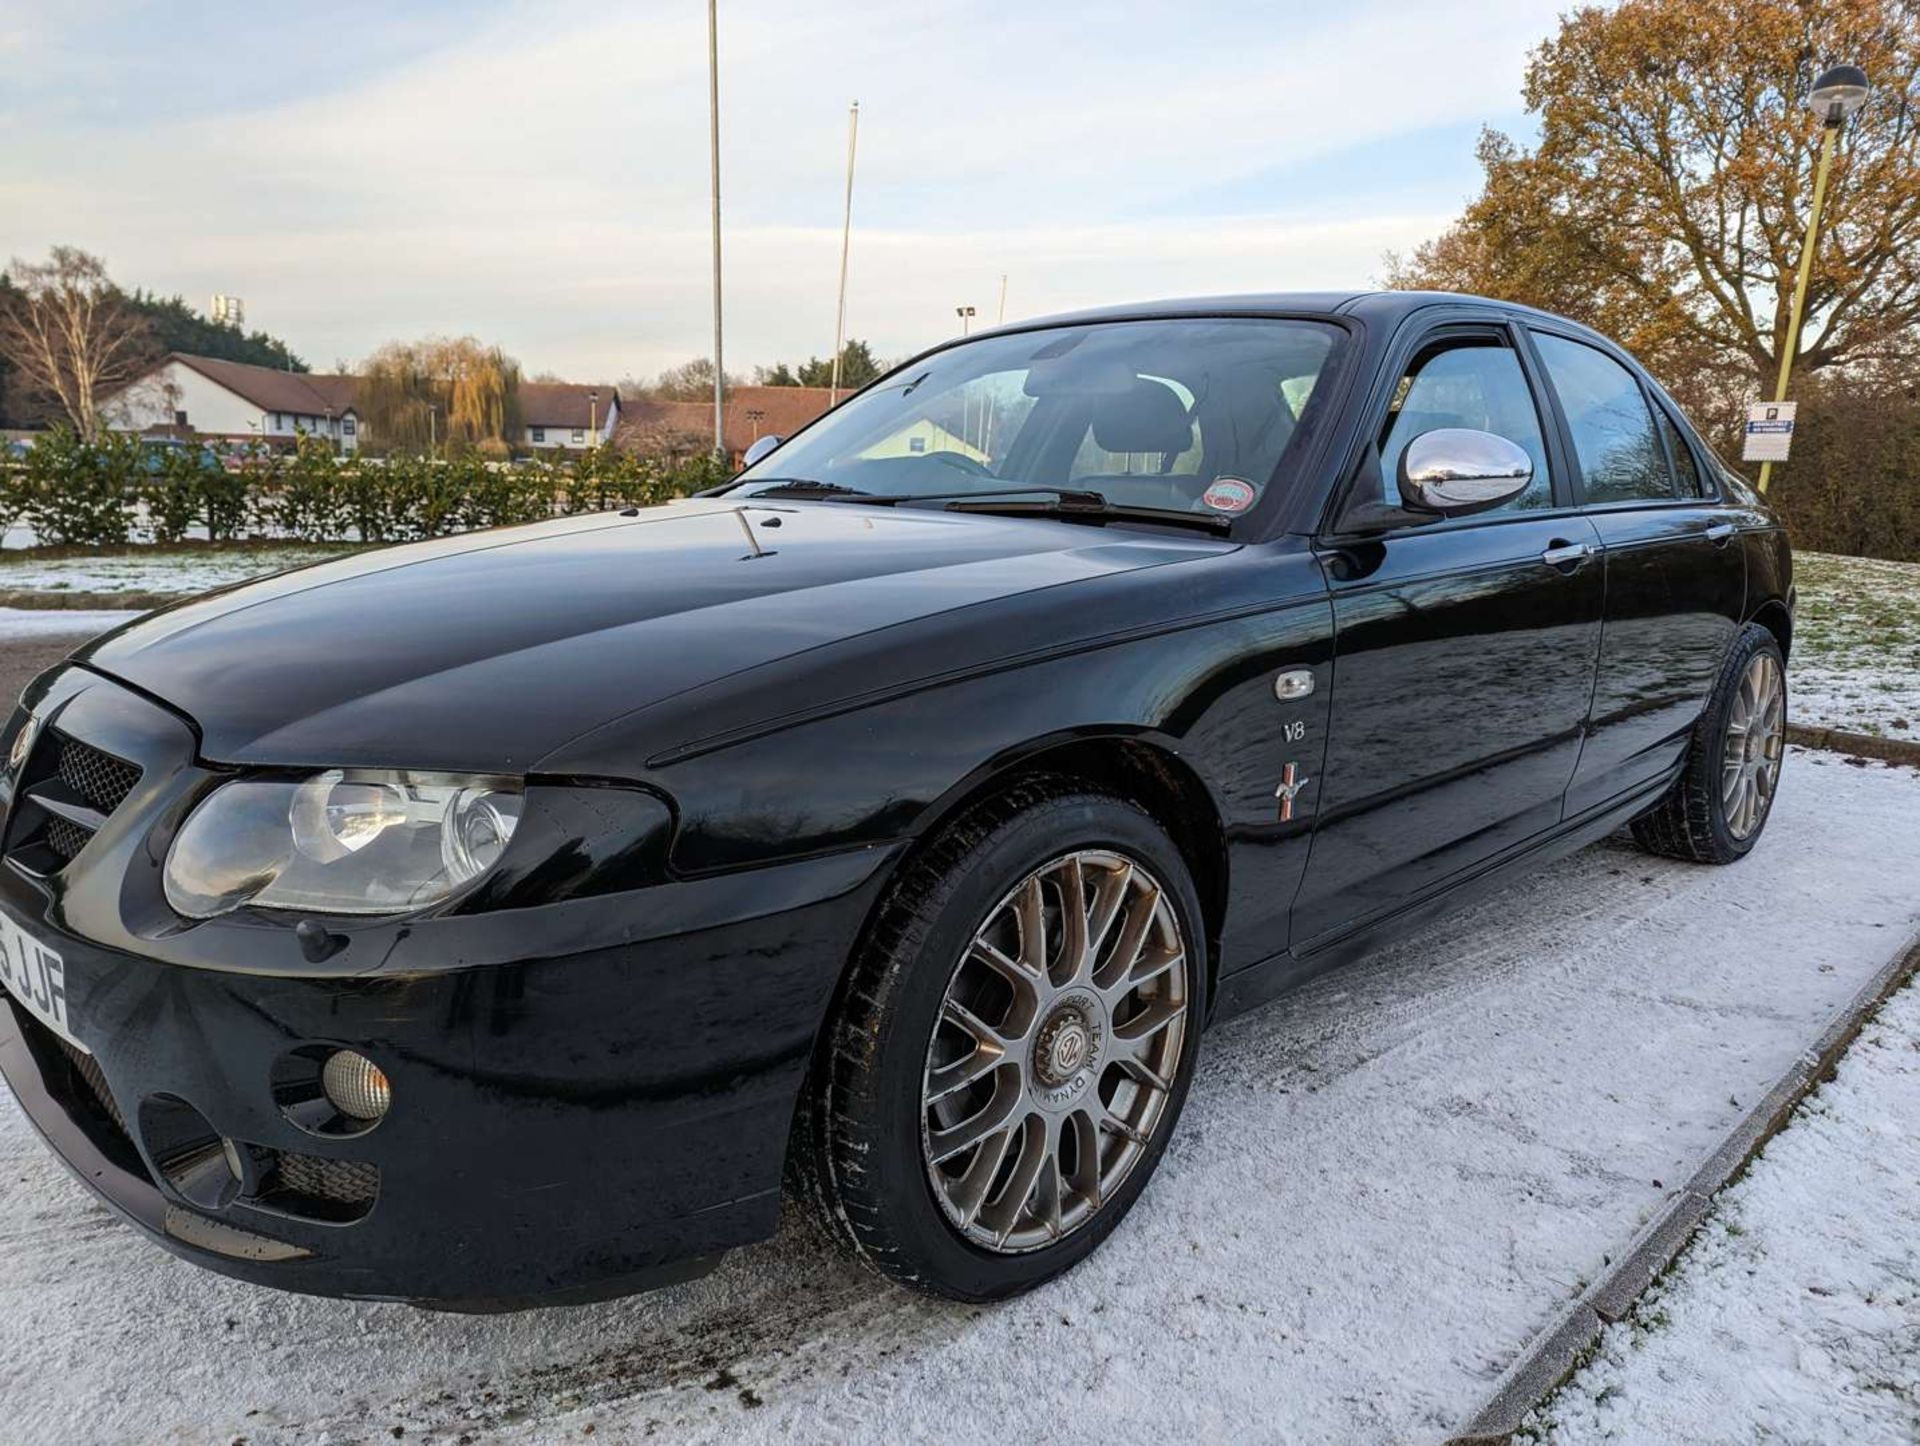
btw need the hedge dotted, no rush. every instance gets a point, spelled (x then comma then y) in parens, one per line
(119, 489)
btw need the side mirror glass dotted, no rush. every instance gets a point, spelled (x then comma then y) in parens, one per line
(759, 449)
(1454, 471)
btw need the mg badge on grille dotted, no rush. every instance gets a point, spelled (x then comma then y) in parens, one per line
(23, 744)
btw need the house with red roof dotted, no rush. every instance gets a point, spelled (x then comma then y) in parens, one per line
(186, 395)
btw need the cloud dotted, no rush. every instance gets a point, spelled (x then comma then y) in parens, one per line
(545, 184)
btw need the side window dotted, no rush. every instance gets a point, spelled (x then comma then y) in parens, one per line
(1685, 470)
(1472, 382)
(1613, 438)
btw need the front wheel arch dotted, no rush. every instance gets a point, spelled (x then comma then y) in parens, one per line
(1134, 764)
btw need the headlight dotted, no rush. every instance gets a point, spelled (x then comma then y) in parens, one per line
(348, 841)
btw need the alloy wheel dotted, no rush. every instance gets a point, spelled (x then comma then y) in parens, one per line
(1756, 739)
(1054, 1057)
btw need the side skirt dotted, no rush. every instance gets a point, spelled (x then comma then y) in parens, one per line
(1251, 987)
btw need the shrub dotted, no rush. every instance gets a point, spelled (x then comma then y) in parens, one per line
(1853, 485)
(175, 490)
(13, 494)
(80, 492)
(307, 501)
(369, 498)
(500, 494)
(227, 500)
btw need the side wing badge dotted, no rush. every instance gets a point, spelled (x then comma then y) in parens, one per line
(1290, 785)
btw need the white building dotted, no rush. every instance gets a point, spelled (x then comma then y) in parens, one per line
(560, 414)
(236, 402)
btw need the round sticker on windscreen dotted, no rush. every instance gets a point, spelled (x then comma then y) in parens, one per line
(1228, 494)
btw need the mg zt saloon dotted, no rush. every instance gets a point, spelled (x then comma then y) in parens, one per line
(499, 920)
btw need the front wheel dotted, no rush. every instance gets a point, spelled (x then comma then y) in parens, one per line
(1012, 1049)
(1720, 803)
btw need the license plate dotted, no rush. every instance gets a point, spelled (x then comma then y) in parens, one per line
(33, 974)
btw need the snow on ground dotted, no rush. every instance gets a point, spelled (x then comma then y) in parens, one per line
(1856, 645)
(179, 570)
(1794, 1315)
(18, 623)
(1383, 1187)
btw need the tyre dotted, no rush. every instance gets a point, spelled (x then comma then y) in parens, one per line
(1012, 1047)
(1717, 808)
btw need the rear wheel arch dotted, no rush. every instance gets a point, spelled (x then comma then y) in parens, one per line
(1776, 619)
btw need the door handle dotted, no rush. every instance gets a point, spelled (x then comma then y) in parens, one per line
(1567, 556)
(1720, 534)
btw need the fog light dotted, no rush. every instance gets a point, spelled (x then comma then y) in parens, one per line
(355, 1085)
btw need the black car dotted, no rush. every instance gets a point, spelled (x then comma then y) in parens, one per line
(495, 920)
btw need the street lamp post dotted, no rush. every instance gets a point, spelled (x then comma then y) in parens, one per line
(1837, 94)
(846, 238)
(966, 315)
(713, 136)
(593, 419)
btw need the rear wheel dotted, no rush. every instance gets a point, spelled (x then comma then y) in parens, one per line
(1719, 805)
(1013, 1048)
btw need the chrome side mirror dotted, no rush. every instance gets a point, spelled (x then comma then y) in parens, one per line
(759, 449)
(1454, 471)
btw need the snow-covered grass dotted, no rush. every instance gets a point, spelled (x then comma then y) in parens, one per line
(1856, 645)
(77, 623)
(1383, 1187)
(1794, 1314)
(162, 570)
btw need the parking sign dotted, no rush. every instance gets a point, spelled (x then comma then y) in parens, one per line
(1769, 432)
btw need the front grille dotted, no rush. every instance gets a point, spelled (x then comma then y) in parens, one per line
(66, 838)
(99, 778)
(323, 1188)
(89, 1070)
(67, 789)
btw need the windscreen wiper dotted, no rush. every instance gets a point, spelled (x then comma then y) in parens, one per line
(1091, 507)
(1069, 502)
(802, 487)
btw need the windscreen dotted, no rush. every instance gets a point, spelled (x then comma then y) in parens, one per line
(1191, 415)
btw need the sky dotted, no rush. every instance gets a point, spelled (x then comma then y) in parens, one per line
(536, 175)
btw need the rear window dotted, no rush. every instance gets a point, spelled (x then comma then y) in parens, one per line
(1621, 460)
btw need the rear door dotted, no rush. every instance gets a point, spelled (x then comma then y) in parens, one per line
(1464, 655)
(1676, 578)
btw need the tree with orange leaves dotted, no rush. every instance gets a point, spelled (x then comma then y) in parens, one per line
(1665, 200)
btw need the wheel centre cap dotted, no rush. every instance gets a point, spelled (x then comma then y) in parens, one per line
(1066, 1049)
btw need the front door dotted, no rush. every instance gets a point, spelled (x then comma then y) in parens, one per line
(1464, 660)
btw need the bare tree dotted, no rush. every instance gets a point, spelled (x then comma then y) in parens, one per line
(69, 333)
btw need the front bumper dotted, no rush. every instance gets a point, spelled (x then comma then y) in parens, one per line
(589, 1097)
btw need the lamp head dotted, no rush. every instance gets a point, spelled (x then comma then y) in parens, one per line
(1838, 93)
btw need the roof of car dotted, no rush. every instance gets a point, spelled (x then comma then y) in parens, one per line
(1381, 305)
